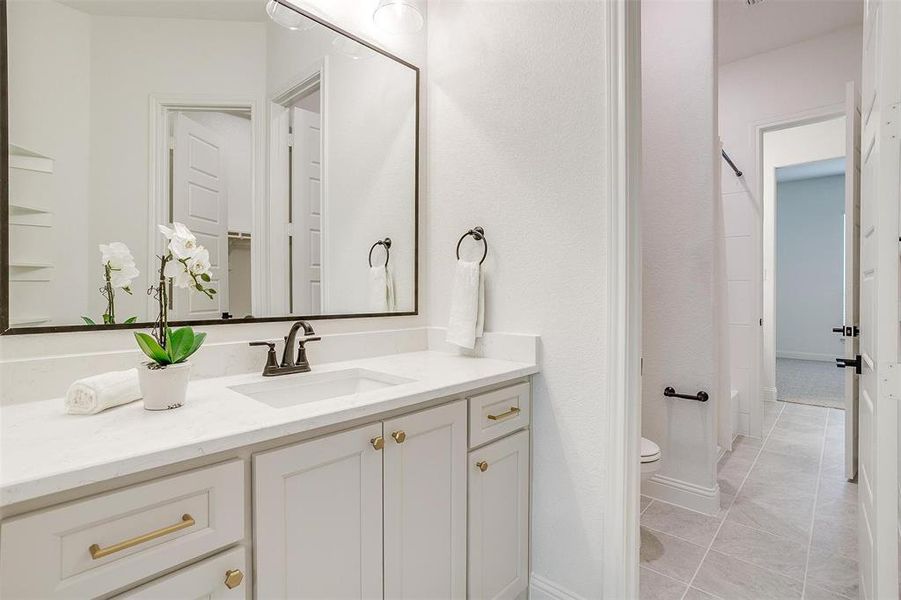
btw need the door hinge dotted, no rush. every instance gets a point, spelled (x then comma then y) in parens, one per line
(172, 142)
(761, 321)
(290, 140)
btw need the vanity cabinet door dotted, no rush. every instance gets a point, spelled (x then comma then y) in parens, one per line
(425, 504)
(318, 518)
(499, 519)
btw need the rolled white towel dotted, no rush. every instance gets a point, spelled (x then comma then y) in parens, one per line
(467, 310)
(91, 395)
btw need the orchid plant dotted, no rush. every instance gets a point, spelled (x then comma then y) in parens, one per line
(119, 271)
(184, 264)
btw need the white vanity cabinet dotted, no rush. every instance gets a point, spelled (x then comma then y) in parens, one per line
(426, 503)
(319, 507)
(499, 519)
(318, 518)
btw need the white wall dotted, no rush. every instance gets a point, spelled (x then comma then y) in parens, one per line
(774, 86)
(132, 59)
(49, 106)
(810, 267)
(369, 132)
(680, 325)
(516, 121)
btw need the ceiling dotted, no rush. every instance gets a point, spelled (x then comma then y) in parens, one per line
(747, 30)
(216, 10)
(817, 168)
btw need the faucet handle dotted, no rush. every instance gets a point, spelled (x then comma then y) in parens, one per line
(314, 338)
(271, 360)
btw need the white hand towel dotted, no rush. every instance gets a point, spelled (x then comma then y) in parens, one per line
(381, 289)
(467, 311)
(91, 395)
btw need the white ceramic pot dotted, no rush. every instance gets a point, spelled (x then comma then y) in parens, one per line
(164, 388)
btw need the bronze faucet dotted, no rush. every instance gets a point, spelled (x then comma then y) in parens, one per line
(289, 363)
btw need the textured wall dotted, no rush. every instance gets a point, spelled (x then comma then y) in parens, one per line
(679, 245)
(516, 121)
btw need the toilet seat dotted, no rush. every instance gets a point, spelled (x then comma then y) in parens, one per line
(650, 452)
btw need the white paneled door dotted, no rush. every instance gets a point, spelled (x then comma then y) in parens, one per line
(318, 518)
(425, 504)
(306, 213)
(879, 326)
(851, 317)
(199, 201)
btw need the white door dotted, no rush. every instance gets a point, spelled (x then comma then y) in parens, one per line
(499, 519)
(879, 332)
(306, 213)
(318, 518)
(222, 577)
(279, 202)
(851, 317)
(425, 504)
(199, 201)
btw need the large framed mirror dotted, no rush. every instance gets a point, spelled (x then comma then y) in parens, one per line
(287, 147)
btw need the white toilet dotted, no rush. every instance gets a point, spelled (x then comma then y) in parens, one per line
(650, 458)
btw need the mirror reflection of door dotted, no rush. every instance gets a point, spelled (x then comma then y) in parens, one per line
(305, 208)
(211, 190)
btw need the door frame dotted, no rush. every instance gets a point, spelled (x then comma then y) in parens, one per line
(623, 390)
(161, 108)
(757, 131)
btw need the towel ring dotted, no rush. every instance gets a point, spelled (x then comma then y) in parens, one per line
(387, 244)
(477, 234)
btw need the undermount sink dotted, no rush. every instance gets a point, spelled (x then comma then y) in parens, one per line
(290, 390)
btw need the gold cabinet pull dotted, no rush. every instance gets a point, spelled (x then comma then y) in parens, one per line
(233, 578)
(399, 436)
(378, 442)
(98, 552)
(482, 465)
(514, 410)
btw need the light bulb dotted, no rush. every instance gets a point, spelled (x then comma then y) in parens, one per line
(398, 16)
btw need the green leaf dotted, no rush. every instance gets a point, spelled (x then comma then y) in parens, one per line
(179, 343)
(88, 321)
(199, 287)
(212, 291)
(205, 277)
(198, 341)
(130, 320)
(107, 320)
(148, 344)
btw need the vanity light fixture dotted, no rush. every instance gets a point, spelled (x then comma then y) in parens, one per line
(398, 16)
(284, 16)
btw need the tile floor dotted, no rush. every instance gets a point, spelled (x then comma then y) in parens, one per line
(787, 528)
(810, 382)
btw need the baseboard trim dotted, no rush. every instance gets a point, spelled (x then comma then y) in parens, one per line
(682, 493)
(805, 356)
(768, 394)
(543, 589)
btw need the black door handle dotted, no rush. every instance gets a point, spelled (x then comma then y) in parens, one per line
(844, 363)
(840, 330)
(847, 330)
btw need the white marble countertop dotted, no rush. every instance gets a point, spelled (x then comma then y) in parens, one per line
(43, 450)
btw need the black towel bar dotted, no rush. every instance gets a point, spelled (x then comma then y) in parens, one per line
(701, 396)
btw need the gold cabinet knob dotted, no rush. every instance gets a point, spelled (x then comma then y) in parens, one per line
(399, 436)
(378, 442)
(482, 465)
(233, 578)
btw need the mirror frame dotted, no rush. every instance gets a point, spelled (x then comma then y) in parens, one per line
(5, 328)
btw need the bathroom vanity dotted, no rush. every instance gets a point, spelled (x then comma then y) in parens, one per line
(414, 486)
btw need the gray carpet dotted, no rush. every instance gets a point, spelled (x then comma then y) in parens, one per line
(810, 382)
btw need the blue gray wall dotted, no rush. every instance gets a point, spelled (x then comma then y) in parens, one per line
(809, 267)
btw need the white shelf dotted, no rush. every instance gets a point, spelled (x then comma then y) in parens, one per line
(22, 158)
(21, 209)
(29, 264)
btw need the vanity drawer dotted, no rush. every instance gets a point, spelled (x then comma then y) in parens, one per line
(220, 577)
(94, 546)
(495, 414)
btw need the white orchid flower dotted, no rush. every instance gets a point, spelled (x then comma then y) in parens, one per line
(182, 243)
(121, 263)
(199, 264)
(179, 275)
